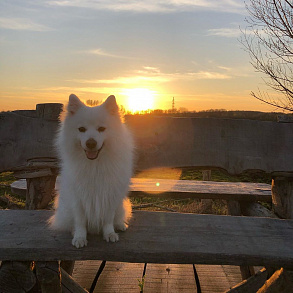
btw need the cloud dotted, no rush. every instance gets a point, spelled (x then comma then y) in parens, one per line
(22, 24)
(152, 6)
(225, 32)
(151, 75)
(101, 52)
(209, 75)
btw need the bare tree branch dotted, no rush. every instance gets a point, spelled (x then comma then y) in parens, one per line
(269, 41)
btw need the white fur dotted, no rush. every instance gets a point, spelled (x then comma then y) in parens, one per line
(93, 192)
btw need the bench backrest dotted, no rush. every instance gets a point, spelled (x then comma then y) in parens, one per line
(230, 144)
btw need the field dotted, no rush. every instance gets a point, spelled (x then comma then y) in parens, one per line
(12, 201)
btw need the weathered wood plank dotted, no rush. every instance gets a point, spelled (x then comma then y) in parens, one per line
(69, 285)
(169, 278)
(201, 189)
(116, 276)
(252, 284)
(164, 188)
(280, 281)
(155, 237)
(123, 277)
(217, 278)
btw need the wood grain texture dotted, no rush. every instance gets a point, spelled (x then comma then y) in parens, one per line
(119, 277)
(155, 237)
(16, 277)
(253, 284)
(168, 188)
(200, 189)
(282, 197)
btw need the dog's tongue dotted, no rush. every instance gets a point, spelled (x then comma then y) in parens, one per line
(91, 154)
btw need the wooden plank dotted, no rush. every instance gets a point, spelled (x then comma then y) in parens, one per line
(169, 278)
(280, 281)
(252, 284)
(123, 277)
(201, 189)
(155, 237)
(116, 276)
(168, 188)
(69, 285)
(217, 278)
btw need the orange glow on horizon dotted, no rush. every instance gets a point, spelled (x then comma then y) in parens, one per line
(139, 99)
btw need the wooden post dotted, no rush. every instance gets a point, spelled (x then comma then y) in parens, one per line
(40, 175)
(282, 200)
(49, 276)
(16, 277)
(49, 111)
(206, 204)
(206, 175)
(234, 209)
(40, 191)
(282, 196)
(67, 266)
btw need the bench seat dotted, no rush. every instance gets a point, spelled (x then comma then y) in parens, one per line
(169, 188)
(155, 237)
(241, 191)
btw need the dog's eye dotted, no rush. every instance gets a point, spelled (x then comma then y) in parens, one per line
(82, 129)
(101, 129)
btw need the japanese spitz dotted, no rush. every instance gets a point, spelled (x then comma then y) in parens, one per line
(96, 153)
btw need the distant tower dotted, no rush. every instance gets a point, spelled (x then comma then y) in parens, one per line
(173, 105)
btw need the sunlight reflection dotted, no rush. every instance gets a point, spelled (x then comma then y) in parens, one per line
(152, 181)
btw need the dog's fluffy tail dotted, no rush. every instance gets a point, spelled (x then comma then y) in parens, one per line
(59, 221)
(127, 209)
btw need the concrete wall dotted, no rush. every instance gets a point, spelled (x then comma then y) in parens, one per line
(234, 145)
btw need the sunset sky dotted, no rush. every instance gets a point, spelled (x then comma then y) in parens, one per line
(145, 52)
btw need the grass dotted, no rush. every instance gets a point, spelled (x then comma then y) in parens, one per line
(9, 200)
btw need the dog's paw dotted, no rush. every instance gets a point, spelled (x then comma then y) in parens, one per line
(121, 227)
(111, 237)
(79, 242)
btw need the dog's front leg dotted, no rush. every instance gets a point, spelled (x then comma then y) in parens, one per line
(108, 228)
(80, 232)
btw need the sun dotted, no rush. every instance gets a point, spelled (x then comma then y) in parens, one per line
(140, 99)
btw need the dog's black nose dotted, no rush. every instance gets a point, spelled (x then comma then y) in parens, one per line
(91, 143)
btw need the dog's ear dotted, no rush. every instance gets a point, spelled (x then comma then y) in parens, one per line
(111, 105)
(74, 104)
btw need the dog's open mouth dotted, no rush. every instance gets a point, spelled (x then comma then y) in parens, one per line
(92, 155)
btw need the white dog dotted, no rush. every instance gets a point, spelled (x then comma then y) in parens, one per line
(96, 153)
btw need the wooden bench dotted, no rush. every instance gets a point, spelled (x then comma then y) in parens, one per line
(160, 237)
